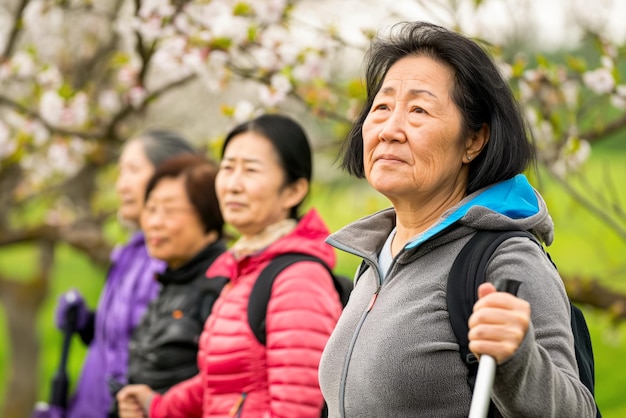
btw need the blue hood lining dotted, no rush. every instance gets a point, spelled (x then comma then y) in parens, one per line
(514, 198)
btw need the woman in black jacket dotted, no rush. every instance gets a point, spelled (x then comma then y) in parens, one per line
(183, 227)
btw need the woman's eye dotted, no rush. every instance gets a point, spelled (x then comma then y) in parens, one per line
(381, 106)
(418, 110)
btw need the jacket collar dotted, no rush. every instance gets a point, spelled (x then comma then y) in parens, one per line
(193, 268)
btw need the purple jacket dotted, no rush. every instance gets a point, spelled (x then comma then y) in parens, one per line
(129, 287)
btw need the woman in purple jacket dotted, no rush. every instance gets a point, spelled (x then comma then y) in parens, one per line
(129, 286)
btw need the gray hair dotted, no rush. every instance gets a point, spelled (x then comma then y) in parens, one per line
(161, 144)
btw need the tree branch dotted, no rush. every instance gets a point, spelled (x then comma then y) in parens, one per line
(598, 211)
(164, 89)
(321, 112)
(142, 51)
(591, 292)
(14, 32)
(86, 238)
(87, 70)
(41, 232)
(596, 135)
(128, 110)
(53, 129)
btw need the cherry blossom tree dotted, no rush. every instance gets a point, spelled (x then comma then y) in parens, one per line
(78, 76)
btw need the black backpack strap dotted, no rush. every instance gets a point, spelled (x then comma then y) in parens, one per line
(583, 348)
(262, 289)
(344, 287)
(467, 273)
(210, 290)
(584, 351)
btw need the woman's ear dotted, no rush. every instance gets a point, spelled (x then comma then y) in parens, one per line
(295, 193)
(475, 143)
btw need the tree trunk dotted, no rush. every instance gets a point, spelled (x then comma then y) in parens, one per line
(22, 301)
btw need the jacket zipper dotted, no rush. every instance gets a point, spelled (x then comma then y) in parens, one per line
(370, 306)
(237, 408)
(346, 363)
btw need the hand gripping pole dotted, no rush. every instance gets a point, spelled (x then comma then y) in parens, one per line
(481, 398)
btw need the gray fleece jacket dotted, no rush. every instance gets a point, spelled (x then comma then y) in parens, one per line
(396, 355)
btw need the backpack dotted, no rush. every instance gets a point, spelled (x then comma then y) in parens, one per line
(209, 291)
(468, 272)
(260, 295)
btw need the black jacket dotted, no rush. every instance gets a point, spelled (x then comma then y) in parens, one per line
(164, 345)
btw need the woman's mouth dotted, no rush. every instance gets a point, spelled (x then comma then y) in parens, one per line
(155, 241)
(234, 205)
(388, 158)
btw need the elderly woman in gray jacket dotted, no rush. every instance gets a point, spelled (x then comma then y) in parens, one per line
(443, 139)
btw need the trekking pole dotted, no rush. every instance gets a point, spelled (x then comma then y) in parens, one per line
(60, 381)
(481, 398)
(56, 407)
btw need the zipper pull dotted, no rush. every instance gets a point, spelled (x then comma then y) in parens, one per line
(237, 406)
(373, 300)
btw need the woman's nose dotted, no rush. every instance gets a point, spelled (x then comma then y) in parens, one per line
(151, 217)
(120, 183)
(393, 129)
(234, 181)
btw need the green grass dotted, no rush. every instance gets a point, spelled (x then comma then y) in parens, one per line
(72, 270)
(4, 353)
(583, 245)
(609, 344)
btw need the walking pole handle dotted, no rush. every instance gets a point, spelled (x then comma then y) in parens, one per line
(481, 398)
(60, 380)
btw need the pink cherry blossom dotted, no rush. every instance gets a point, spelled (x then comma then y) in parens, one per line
(23, 64)
(244, 110)
(619, 98)
(600, 81)
(50, 78)
(136, 96)
(51, 107)
(109, 101)
(269, 11)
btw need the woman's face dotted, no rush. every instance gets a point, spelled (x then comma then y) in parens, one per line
(135, 169)
(412, 144)
(250, 185)
(174, 232)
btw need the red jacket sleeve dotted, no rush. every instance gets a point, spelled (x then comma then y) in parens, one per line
(183, 400)
(301, 315)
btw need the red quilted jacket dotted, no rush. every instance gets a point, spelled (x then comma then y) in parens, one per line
(239, 377)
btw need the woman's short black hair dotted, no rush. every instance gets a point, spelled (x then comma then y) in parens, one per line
(290, 142)
(199, 174)
(480, 92)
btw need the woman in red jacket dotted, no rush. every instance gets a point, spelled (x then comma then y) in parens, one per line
(262, 180)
